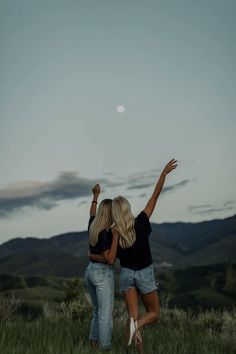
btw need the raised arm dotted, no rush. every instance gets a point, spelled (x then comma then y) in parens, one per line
(152, 201)
(96, 192)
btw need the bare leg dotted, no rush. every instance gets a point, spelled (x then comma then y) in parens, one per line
(139, 346)
(152, 306)
(131, 300)
(94, 344)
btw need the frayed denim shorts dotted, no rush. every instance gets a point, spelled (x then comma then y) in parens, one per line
(142, 279)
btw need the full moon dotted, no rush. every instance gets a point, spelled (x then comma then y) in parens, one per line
(120, 109)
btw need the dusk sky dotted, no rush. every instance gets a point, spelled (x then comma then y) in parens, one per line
(65, 66)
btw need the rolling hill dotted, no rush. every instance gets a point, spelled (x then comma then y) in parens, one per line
(173, 245)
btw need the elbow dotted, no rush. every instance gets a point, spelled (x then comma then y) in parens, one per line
(110, 260)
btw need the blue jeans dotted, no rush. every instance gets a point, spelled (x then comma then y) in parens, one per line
(142, 279)
(99, 280)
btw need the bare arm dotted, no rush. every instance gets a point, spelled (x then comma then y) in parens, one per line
(96, 192)
(110, 255)
(97, 258)
(157, 191)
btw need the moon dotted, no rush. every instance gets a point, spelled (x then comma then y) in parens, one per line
(120, 108)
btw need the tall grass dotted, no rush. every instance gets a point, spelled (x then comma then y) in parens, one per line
(64, 330)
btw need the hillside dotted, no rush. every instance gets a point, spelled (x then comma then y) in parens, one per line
(173, 245)
(202, 287)
(212, 286)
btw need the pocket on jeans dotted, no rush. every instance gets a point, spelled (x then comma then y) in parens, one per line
(126, 276)
(146, 274)
(98, 275)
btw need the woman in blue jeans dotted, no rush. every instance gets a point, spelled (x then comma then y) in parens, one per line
(136, 276)
(99, 276)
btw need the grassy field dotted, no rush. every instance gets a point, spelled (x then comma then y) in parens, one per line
(65, 331)
(48, 315)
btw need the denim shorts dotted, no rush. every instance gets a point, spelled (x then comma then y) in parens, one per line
(142, 279)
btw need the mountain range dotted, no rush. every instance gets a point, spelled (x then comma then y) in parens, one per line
(173, 245)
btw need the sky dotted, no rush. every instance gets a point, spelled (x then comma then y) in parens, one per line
(65, 67)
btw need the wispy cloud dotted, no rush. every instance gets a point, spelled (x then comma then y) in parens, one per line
(140, 186)
(204, 209)
(176, 186)
(230, 202)
(197, 207)
(214, 210)
(83, 202)
(142, 195)
(68, 186)
(44, 195)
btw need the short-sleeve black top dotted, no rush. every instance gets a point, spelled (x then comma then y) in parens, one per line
(139, 255)
(104, 240)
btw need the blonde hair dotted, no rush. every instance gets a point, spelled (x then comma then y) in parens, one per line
(102, 221)
(124, 221)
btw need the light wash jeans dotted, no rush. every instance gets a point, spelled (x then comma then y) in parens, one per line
(99, 279)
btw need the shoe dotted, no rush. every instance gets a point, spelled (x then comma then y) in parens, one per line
(130, 330)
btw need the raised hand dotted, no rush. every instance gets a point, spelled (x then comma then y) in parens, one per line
(172, 164)
(96, 189)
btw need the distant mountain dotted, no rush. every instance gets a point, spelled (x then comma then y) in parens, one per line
(200, 243)
(45, 263)
(173, 245)
(73, 242)
(205, 287)
(212, 286)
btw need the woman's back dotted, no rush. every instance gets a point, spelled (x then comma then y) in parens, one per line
(139, 255)
(104, 239)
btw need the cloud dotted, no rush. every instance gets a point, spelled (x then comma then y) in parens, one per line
(45, 195)
(214, 210)
(196, 207)
(229, 202)
(140, 186)
(204, 209)
(68, 186)
(83, 202)
(171, 188)
(142, 195)
(109, 173)
(144, 180)
(176, 186)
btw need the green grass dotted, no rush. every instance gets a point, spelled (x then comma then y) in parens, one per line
(44, 336)
(177, 332)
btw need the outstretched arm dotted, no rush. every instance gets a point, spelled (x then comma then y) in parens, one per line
(96, 192)
(152, 201)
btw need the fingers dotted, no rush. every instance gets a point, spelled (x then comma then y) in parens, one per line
(96, 189)
(173, 161)
(172, 164)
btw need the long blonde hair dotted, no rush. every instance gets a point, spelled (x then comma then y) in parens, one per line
(124, 221)
(102, 221)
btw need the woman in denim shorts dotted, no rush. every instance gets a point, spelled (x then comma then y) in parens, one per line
(99, 276)
(136, 276)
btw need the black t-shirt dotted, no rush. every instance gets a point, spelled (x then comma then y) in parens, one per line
(139, 255)
(104, 240)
